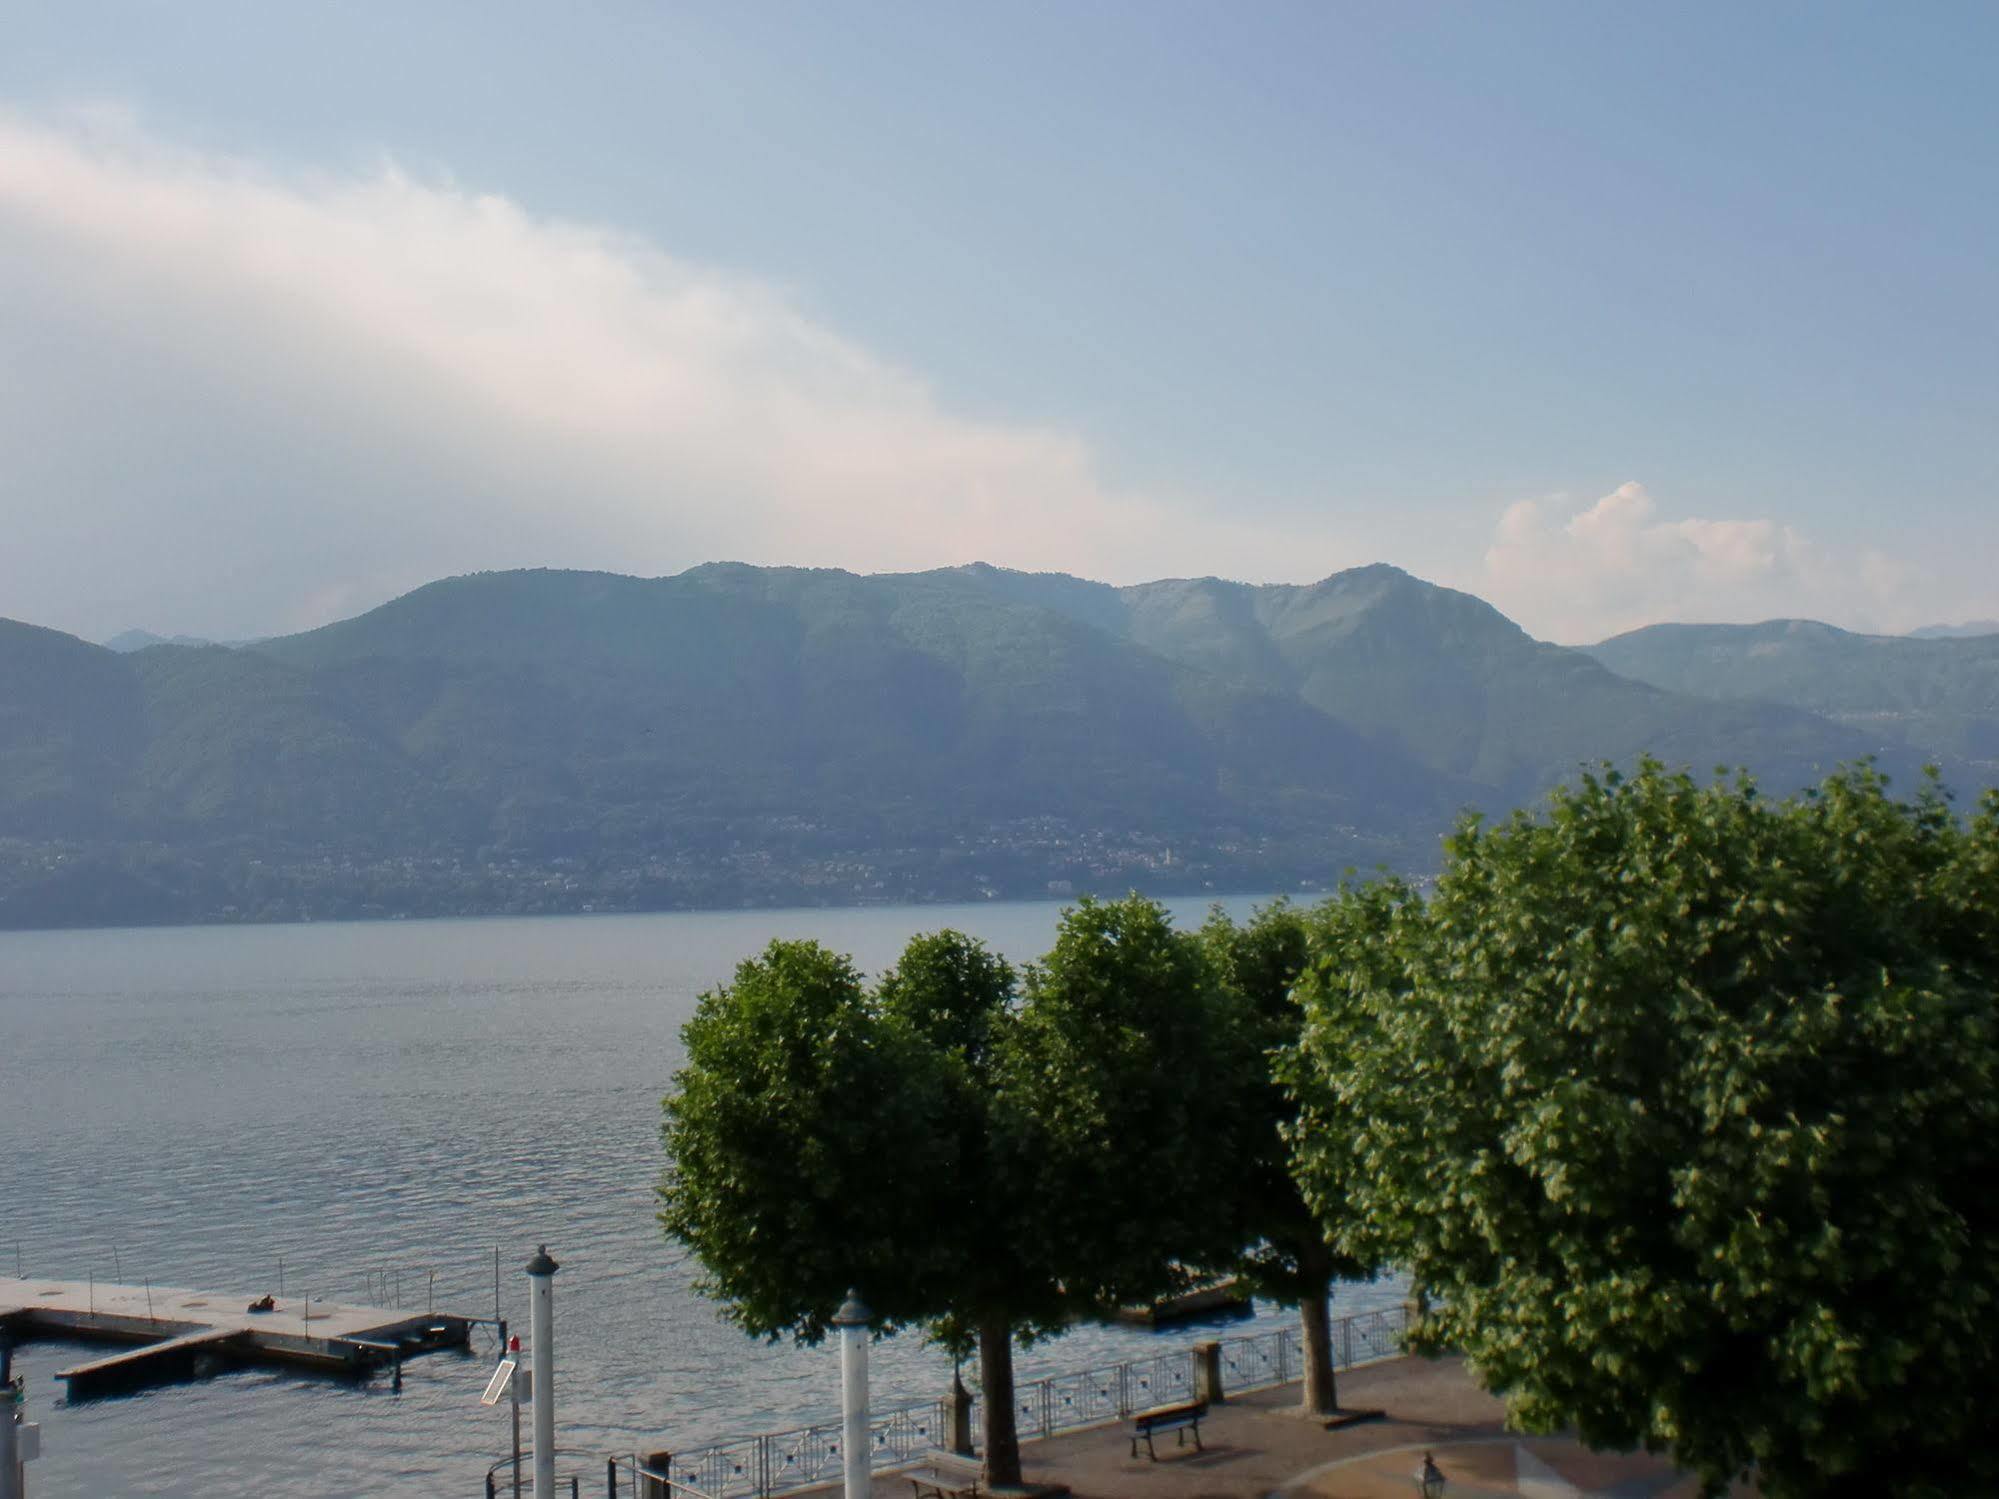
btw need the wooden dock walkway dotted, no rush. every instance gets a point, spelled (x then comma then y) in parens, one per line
(177, 1331)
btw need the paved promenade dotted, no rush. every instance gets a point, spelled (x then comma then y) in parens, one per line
(1258, 1449)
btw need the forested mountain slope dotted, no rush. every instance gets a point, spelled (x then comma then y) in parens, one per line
(559, 741)
(1442, 676)
(1938, 696)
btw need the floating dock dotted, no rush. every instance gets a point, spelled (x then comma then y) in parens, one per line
(1218, 1298)
(181, 1333)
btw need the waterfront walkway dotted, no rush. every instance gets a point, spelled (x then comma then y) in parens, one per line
(1257, 1448)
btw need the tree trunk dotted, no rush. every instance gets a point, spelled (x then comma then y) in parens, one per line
(996, 1390)
(1320, 1396)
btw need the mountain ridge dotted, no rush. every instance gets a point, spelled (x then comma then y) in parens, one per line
(1970, 629)
(548, 739)
(1939, 695)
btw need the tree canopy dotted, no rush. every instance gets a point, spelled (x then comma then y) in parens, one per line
(1281, 1246)
(1684, 1104)
(1113, 1062)
(983, 1156)
(798, 1131)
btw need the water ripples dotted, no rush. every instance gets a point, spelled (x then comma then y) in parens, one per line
(379, 1107)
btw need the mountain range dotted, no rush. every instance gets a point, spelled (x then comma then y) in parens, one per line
(1935, 695)
(126, 641)
(1957, 632)
(544, 740)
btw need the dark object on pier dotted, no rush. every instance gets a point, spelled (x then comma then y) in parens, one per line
(181, 1334)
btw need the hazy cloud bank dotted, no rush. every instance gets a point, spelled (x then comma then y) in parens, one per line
(1580, 573)
(293, 395)
(234, 401)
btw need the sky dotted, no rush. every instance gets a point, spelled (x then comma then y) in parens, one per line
(1607, 314)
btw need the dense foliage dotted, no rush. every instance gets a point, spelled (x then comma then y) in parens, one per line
(1684, 1104)
(984, 1158)
(1281, 1247)
(802, 1135)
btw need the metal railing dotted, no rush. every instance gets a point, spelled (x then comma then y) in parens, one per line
(1272, 1358)
(781, 1461)
(757, 1467)
(630, 1476)
(1088, 1397)
(506, 1475)
(460, 1281)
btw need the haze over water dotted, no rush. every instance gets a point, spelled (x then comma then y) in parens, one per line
(376, 1102)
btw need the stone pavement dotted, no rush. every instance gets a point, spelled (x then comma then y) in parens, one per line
(1257, 1448)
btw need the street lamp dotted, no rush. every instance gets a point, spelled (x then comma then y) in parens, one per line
(857, 1461)
(1430, 1479)
(541, 1324)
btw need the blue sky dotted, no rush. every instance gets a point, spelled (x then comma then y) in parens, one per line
(1608, 314)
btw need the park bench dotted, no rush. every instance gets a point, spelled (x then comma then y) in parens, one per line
(1179, 1419)
(947, 1475)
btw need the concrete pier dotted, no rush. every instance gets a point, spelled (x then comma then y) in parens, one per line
(175, 1329)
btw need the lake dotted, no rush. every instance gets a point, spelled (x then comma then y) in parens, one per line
(376, 1108)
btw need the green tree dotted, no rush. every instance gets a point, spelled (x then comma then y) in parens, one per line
(1285, 1253)
(796, 1133)
(1114, 1064)
(991, 1281)
(1684, 1103)
(985, 1163)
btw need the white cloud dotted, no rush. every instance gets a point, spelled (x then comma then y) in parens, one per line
(1580, 573)
(237, 401)
(258, 399)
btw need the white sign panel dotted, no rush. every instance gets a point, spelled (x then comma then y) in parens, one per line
(496, 1387)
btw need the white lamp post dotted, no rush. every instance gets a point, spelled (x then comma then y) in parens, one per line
(852, 1319)
(541, 1328)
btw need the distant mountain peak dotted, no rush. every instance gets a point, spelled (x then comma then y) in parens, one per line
(127, 641)
(1970, 629)
(1781, 630)
(1368, 571)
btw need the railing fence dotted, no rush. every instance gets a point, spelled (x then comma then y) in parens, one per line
(761, 1466)
(463, 1279)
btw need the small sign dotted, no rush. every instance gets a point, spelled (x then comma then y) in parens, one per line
(496, 1387)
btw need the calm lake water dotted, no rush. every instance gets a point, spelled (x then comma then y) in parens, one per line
(379, 1107)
